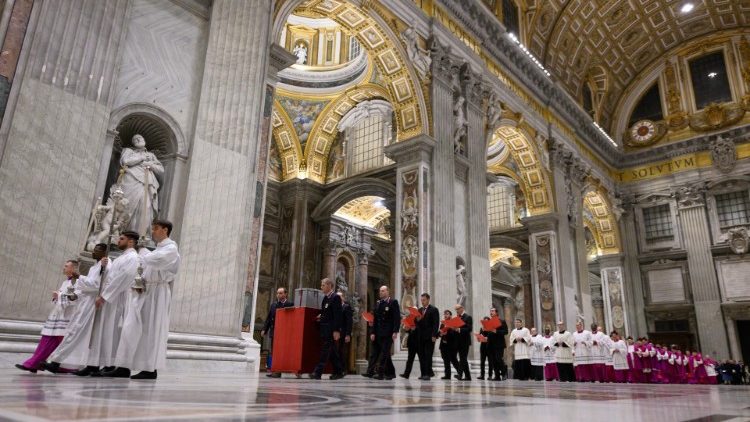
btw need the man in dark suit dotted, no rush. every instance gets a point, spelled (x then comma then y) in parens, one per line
(412, 346)
(497, 348)
(346, 330)
(448, 341)
(331, 321)
(268, 327)
(428, 329)
(464, 342)
(385, 330)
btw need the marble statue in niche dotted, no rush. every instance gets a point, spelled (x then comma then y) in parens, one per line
(460, 123)
(301, 52)
(140, 184)
(494, 111)
(418, 56)
(133, 200)
(461, 285)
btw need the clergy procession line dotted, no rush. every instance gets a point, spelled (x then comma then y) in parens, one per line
(115, 319)
(582, 355)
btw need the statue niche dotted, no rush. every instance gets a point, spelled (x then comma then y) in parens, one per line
(139, 178)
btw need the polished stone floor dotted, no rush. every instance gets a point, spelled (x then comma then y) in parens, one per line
(181, 396)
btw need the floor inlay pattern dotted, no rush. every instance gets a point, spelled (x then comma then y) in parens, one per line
(229, 397)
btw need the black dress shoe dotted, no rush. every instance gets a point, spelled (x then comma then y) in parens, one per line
(108, 368)
(23, 368)
(404, 376)
(337, 376)
(274, 375)
(390, 377)
(424, 378)
(481, 377)
(314, 376)
(465, 379)
(144, 375)
(445, 378)
(53, 367)
(117, 373)
(89, 370)
(367, 375)
(378, 377)
(458, 377)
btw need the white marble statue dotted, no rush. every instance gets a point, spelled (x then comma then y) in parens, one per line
(461, 285)
(418, 56)
(140, 185)
(494, 111)
(102, 220)
(301, 52)
(459, 117)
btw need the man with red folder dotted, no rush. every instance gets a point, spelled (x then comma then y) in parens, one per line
(464, 342)
(428, 326)
(385, 330)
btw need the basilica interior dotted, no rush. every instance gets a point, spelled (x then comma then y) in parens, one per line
(558, 160)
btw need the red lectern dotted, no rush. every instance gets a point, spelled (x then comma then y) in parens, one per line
(296, 341)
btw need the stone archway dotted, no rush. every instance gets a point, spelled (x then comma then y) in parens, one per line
(534, 178)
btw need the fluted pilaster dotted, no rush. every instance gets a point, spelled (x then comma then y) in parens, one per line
(703, 280)
(50, 164)
(221, 191)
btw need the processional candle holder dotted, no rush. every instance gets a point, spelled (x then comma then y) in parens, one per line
(71, 294)
(139, 285)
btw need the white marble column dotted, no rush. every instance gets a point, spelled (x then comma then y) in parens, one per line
(712, 335)
(476, 226)
(445, 75)
(56, 135)
(217, 229)
(633, 283)
(567, 208)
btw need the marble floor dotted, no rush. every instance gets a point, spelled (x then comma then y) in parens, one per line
(183, 396)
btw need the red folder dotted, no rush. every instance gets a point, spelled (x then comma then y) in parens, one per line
(368, 317)
(491, 324)
(409, 321)
(456, 322)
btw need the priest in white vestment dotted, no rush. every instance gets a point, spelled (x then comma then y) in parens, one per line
(536, 355)
(582, 342)
(520, 338)
(598, 357)
(143, 344)
(564, 353)
(56, 325)
(111, 304)
(74, 350)
(619, 351)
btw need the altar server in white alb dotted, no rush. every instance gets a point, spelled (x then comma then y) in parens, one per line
(74, 350)
(111, 304)
(564, 353)
(520, 338)
(56, 325)
(536, 353)
(143, 344)
(582, 342)
(599, 353)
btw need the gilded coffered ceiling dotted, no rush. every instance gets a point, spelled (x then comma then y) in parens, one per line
(366, 211)
(577, 39)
